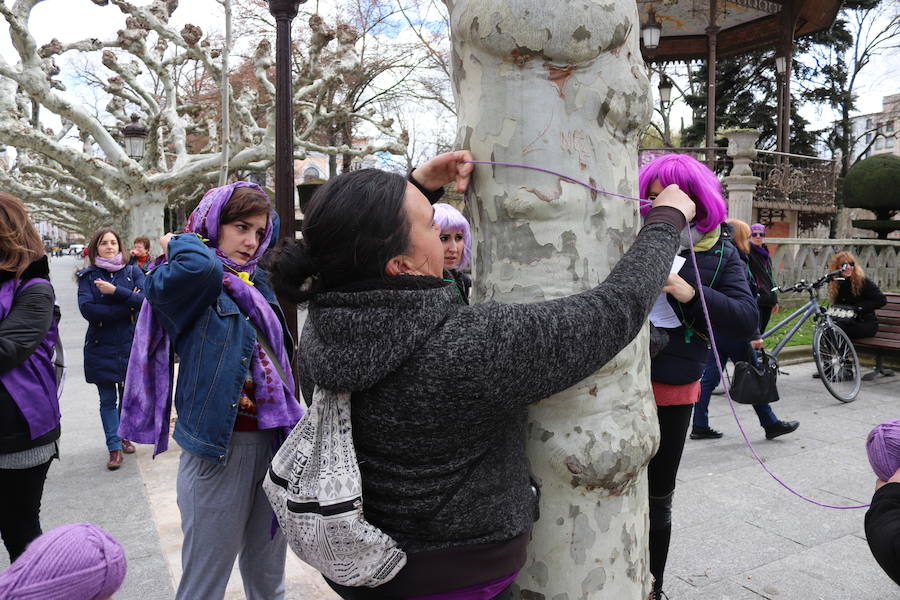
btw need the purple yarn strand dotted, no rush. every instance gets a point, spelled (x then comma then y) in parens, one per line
(709, 328)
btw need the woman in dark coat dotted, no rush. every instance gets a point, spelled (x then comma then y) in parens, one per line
(110, 293)
(761, 269)
(856, 292)
(29, 410)
(456, 238)
(676, 370)
(440, 390)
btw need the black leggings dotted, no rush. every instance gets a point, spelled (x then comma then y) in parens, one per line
(661, 472)
(20, 507)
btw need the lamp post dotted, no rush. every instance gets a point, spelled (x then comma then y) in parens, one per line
(665, 90)
(135, 138)
(651, 30)
(284, 12)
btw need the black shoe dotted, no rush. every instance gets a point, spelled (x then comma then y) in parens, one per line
(816, 375)
(705, 433)
(780, 428)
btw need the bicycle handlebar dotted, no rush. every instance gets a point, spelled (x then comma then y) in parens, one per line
(802, 285)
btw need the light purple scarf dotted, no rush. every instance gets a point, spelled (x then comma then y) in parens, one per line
(147, 402)
(112, 265)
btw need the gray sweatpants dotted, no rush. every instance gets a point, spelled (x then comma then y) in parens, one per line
(225, 514)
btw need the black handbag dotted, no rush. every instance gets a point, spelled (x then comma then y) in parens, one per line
(755, 385)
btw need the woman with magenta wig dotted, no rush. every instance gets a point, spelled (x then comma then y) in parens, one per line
(456, 238)
(675, 370)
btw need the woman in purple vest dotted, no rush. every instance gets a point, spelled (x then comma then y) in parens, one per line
(29, 411)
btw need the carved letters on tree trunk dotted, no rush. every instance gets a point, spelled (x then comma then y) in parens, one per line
(561, 85)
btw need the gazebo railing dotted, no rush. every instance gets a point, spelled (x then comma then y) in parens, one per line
(794, 181)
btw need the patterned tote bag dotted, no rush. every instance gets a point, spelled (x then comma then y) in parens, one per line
(315, 488)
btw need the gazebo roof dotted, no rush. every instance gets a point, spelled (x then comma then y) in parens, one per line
(745, 25)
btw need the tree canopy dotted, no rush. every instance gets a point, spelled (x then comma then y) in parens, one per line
(874, 184)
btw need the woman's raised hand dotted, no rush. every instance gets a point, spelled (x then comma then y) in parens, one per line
(674, 197)
(164, 242)
(444, 168)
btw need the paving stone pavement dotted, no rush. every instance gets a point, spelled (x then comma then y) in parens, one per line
(737, 534)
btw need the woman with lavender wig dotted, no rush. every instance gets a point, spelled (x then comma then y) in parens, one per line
(456, 238)
(209, 302)
(676, 369)
(109, 297)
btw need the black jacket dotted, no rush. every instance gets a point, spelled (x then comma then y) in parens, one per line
(761, 267)
(883, 529)
(21, 332)
(732, 310)
(870, 298)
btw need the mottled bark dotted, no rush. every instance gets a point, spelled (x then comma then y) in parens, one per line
(562, 86)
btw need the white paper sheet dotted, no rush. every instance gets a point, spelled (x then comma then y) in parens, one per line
(662, 314)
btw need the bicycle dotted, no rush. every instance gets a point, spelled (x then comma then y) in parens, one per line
(833, 352)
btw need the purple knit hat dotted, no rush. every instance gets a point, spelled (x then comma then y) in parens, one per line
(72, 562)
(883, 446)
(758, 227)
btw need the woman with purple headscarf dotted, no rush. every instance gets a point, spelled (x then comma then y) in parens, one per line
(209, 302)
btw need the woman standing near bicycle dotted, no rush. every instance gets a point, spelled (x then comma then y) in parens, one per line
(856, 292)
(676, 370)
(735, 350)
(761, 267)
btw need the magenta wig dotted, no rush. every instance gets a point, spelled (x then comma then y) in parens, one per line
(695, 180)
(450, 220)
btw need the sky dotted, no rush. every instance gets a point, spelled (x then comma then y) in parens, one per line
(69, 20)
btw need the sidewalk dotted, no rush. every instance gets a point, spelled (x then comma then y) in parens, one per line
(737, 534)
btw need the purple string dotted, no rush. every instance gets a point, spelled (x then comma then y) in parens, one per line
(709, 328)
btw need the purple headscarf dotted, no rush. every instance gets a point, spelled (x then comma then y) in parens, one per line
(147, 403)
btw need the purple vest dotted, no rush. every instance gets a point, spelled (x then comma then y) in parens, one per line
(32, 384)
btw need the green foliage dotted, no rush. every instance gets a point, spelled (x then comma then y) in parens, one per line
(874, 184)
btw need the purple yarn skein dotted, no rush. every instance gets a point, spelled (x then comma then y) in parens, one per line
(72, 562)
(883, 446)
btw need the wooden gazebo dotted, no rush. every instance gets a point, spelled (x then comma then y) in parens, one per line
(708, 29)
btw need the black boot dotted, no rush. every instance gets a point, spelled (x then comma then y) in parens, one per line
(780, 428)
(705, 433)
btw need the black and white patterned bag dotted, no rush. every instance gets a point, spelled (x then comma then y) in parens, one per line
(315, 488)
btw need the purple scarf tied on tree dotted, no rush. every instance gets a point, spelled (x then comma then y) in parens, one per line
(147, 401)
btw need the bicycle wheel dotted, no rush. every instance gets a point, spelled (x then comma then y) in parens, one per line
(836, 361)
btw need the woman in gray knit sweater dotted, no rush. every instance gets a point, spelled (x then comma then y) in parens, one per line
(442, 450)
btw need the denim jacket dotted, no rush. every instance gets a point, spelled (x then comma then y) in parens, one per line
(212, 338)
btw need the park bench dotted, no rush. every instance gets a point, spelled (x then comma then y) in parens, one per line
(887, 340)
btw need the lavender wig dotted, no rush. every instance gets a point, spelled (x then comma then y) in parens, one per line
(694, 179)
(451, 219)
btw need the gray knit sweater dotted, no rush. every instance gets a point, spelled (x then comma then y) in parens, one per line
(440, 389)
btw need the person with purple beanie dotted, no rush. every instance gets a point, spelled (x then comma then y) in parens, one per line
(761, 270)
(883, 517)
(71, 562)
(209, 303)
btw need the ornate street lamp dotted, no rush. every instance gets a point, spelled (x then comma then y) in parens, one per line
(651, 30)
(780, 63)
(665, 90)
(135, 138)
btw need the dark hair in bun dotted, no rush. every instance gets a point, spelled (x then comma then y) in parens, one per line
(355, 223)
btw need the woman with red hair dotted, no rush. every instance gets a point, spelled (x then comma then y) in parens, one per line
(856, 292)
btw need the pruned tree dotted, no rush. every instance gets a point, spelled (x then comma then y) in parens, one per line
(80, 174)
(872, 184)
